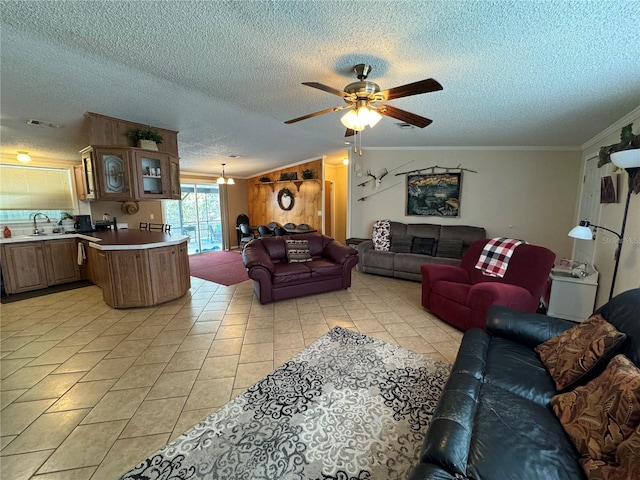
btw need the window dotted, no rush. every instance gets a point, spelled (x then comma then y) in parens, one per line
(28, 190)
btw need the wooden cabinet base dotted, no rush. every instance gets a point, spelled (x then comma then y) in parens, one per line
(144, 277)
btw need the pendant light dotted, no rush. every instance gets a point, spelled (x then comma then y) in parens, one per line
(222, 181)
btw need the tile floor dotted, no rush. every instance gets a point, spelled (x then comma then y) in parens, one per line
(88, 391)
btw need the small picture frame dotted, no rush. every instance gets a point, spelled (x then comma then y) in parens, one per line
(608, 190)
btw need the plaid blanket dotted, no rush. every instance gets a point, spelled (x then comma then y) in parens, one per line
(495, 256)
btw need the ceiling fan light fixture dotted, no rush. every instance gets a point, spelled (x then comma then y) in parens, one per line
(359, 118)
(350, 120)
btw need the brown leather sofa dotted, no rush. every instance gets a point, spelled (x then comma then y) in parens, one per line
(274, 278)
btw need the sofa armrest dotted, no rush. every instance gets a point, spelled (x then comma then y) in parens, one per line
(529, 329)
(449, 273)
(366, 245)
(255, 255)
(338, 252)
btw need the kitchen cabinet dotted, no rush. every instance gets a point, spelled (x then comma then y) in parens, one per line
(35, 265)
(23, 267)
(184, 272)
(128, 278)
(153, 174)
(121, 173)
(61, 261)
(163, 269)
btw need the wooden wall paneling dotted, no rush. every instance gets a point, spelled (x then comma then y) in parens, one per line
(263, 198)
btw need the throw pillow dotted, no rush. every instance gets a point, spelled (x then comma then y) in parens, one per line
(576, 352)
(381, 235)
(449, 248)
(298, 251)
(625, 466)
(401, 243)
(424, 246)
(599, 416)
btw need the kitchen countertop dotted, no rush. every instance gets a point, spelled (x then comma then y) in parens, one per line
(109, 239)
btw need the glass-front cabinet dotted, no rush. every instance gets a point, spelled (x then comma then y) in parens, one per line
(176, 193)
(152, 170)
(114, 174)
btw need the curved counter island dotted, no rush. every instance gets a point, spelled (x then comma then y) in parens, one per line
(137, 268)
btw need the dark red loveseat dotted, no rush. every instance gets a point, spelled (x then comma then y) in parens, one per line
(461, 296)
(274, 278)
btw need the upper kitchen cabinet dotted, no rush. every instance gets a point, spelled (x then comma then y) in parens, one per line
(114, 176)
(153, 173)
(121, 171)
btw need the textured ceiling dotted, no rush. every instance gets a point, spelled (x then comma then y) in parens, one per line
(227, 74)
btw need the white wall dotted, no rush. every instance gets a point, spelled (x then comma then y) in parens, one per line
(611, 216)
(526, 194)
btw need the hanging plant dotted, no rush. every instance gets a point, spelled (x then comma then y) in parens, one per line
(285, 199)
(628, 141)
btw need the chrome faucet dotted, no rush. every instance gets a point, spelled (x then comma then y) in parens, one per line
(36, 231)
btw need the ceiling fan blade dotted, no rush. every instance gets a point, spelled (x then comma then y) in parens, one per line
(326, 88)
(403, 115)
(315, 114)
(350, 133)
(416, 88)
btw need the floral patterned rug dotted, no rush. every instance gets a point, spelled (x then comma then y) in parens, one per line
(348, 407)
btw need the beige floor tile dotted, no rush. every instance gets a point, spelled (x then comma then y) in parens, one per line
(180, 323)
(161, 354)
(82, 395)
(204, 327)
(368, 326)
(256, 352)
(19, 415)
(209, 394)
(22, 467)
(235, 318)
(173, 384)
(213, 312)
(86, 446)
(8, 397)
(26, 377)
(122, 328)
(416, 344)
(79, 338)
(75, 474)
(219, 367)
(250, 373)
(126, 453)
(288, 340)
(384, 336)
(103, 343)
(434, 335)
(55, 355)
(284, 355)
(259, 335)
(48, 431)
(170, 337)
(16, 343)
(188, 419)
(139, 376)
(129, 348)
(400, 330)
(230, 331)
(154, 416)
(7, 367)
(109, 368)
(388, 317)
(196, 342)
(145, 332)
(286, 326)
(117, 405)
(191, 360)
(52, 386)
(33, 349)
(59, 333)
(226, 347)
(81, 362)
(340, 321)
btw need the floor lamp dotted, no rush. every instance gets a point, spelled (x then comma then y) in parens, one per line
(630, 161)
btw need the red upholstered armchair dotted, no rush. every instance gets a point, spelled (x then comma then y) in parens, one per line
(462, 295)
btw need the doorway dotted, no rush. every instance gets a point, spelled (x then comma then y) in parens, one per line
(198, 216)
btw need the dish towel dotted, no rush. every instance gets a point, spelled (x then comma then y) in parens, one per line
(495, 256)
(82, 255)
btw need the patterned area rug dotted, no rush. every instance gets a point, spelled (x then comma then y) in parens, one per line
(348, 407)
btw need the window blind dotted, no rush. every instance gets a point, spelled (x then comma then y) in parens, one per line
(35, 188)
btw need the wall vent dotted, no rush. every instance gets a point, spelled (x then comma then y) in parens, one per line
(43, 123)
(405, 126)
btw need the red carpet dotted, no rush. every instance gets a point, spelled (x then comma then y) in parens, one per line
(225, 268)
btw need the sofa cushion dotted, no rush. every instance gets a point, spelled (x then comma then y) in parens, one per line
(291, 273)
(602, 414)
(377, 259)
(423, 245)
(381, 235)
(625, 466)
(424, 230)
(324, 268)
(409, 262)
(574, 353)
(298, 251)
(401, 243)
(450, 247)
(524, 374)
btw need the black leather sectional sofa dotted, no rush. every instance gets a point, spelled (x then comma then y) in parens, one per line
(494, 420)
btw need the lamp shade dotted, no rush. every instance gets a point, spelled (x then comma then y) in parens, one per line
(220, 181)
(626, 158)
(581, 232)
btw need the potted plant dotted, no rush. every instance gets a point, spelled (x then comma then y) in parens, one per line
(307, 173)
(146, 138)
(67, 221)
(628, 141)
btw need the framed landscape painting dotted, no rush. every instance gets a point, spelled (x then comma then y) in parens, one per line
(434, 194)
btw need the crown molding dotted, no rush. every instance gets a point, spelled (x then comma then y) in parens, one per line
(527, 148)
(612, 130)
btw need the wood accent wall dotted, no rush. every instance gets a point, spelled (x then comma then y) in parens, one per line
(114, 132)
(263, 198)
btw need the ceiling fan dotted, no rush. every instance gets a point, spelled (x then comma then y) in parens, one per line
(362, 99)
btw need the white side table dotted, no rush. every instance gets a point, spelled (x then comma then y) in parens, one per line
(572, 298)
